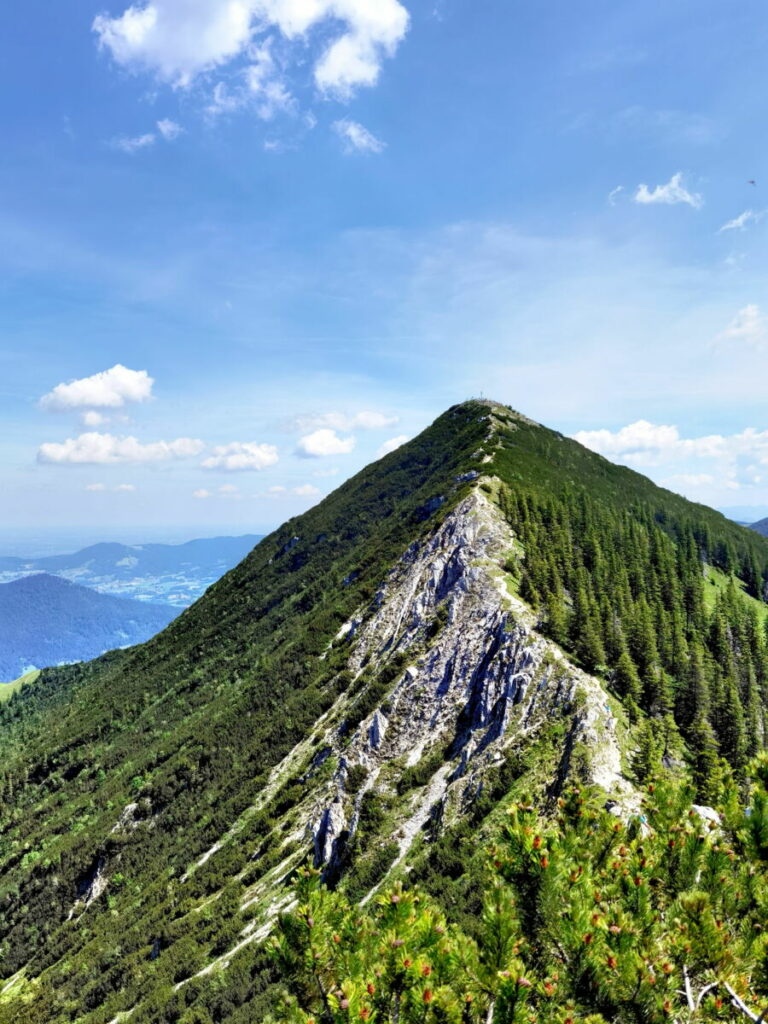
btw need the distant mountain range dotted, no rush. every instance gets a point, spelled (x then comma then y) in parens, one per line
(761, 527)
(46, 620)
(171, 574)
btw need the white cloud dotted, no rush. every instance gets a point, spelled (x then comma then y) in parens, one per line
(110, 389)
(749, 327)
(91, 418)
(259, 86)
(644, 444)
(391, 445)
(306, 490)
(364, 420)
(134, 143)
(637, 437)
(276, 490)
(614, 194)
(125, 487)
(95, 448)
(357, 138)
(166, 129)
(95, 487)
(324, 442)
(740, 223)
(241, 455)
(201, 494)
(229, 489)
(670, 194)
(180, 39)
(169, 130)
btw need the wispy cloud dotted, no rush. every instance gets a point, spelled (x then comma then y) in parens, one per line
(366, 419)
(740, 223)
(614, 194)
(357, 138)
(169, 130)
(673, 124)
(166, 130)
(749, 327)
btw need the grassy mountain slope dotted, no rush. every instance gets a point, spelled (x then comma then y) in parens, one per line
(145, 829)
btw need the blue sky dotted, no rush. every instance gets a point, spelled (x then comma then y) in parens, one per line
(235, 223)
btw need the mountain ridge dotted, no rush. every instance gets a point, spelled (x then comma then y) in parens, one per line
(438, 637)
(174, 574)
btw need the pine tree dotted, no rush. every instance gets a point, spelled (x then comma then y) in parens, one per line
(705, 764)
(647, 759)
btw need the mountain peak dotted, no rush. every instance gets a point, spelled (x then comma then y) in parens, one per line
(475, 619)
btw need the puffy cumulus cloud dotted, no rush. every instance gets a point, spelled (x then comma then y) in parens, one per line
(670, 194)
(357, 138)
(102, 449)
(306, 491)
(181, 39)
(110, 389)
(391, 445)
(740, 223)
(735, 460)
(749, 327)
(241, 455)
(364, 420)
(201, 494)
(641, 436)
(324, 442)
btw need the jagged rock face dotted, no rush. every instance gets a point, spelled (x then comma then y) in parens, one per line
(480, 678)
(327, 832)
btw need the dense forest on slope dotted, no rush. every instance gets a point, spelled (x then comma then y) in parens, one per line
(45, 620)
(131, 767)
(583, 917)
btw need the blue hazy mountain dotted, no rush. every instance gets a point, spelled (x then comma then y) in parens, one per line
(175, 574)
(46, 620)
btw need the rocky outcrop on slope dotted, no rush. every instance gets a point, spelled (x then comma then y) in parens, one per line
(477, 678)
